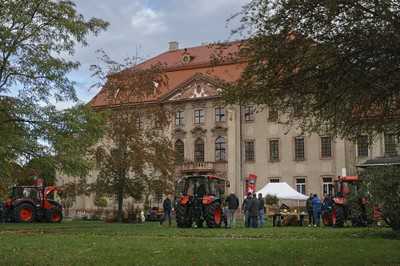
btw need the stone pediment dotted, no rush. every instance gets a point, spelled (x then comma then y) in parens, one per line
(197, 87)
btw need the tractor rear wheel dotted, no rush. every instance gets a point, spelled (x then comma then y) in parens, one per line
(183, 216)
(339, 221)
(24, 213)
(213, 215)
(54, 216)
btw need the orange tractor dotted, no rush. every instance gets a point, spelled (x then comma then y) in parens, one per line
(338, 213)
(200, 201)
(32, 203)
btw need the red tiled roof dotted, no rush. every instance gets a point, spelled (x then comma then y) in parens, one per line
(177, 71)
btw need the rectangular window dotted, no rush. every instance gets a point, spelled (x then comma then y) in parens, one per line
(249, 150)
(297, 110)
(139, 123)
(274, 150)
(327, 186)
(390, 145)
(299, 149)
(179, 118)
(274, 180)
(220, 114)
(249, 113)
(362, 146)
(272, 115)
(199, 116)
(326, 147)
(301, 185)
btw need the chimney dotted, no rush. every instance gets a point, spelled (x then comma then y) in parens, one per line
(173, 46)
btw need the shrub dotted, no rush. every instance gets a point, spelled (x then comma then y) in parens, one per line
(383, 186)
(271, 200)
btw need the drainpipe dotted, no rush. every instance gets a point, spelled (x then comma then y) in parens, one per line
(241, 185)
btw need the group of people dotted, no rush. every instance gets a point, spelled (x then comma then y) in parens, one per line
(254, 210)
(315, 208)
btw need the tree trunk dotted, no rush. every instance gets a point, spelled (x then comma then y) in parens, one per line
(120, 198)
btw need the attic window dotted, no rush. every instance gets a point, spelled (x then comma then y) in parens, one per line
(186, 58)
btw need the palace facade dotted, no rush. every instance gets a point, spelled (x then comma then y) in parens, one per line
(237, 141)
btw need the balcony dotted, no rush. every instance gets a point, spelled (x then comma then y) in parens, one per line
(202, 167)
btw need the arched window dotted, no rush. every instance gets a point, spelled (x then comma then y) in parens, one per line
(179, 151)
(220, 149)
(199, 150)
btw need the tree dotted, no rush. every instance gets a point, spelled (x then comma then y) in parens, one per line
(37, 41)
(136, 151)
(332, 66)
(382, 184)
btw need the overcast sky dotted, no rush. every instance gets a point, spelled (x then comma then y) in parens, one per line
(144, 27)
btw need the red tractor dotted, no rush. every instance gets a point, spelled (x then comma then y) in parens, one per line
(337, 214)
(32, 203)
(200, 201)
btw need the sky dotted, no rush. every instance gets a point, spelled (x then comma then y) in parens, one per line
(144, 27)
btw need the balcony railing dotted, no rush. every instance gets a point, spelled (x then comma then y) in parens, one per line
(197, 167)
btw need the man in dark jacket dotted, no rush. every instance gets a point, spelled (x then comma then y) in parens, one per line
(246, 210)
(261, 210)
(310, 210)
(253, 211)
(233, 203)
(167, 206)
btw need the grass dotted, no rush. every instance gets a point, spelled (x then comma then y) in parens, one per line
(98, 243)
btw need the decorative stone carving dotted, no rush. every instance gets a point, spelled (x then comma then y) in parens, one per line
(219, 130)
(179, 133)
(198, 132)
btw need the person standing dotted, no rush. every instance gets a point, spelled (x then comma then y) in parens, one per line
(253, 211)
(233, 203)
(316, 204)
(261, 210)
(246, 210)
(309, 208)
(167, 206)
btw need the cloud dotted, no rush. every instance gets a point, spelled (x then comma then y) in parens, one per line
(148, 21)
(144, 28)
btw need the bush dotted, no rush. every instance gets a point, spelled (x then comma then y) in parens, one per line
(383, 186)
(271, 200)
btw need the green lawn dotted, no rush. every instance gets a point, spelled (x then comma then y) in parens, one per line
(98, 243)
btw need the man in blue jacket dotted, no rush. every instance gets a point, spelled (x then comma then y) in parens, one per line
(316, 204)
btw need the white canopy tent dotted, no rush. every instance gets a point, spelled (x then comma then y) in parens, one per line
(282, 191)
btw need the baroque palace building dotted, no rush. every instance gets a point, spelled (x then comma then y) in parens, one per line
(236, 142)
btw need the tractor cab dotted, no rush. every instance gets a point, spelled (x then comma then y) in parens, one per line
(199, 199)
(200, 186)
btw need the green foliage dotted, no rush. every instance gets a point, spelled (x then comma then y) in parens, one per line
(383, 186)
(328, 66)
(35, 37)
(271, 200)
(101, 202)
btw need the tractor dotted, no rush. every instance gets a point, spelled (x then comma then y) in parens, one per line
(337, 215)
(29, 204)
(200, 201)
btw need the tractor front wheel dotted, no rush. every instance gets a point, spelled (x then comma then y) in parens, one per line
(213, 215)
(24, 213)
(183, 216)
(54, 216)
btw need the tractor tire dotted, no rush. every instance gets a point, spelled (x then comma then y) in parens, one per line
(54, 216)
(213, 215)
(183, 217)
(340, 216)
(24, 213)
